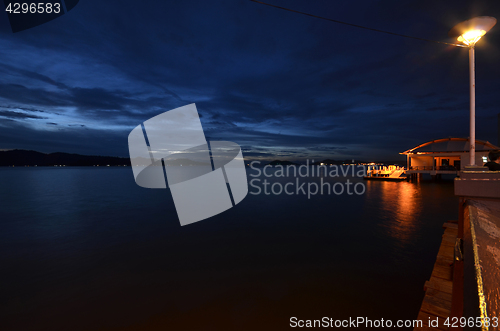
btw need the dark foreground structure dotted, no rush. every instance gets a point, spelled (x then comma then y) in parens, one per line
(463, 292)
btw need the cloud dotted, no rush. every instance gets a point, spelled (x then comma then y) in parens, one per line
(17, 115)
(278, 83)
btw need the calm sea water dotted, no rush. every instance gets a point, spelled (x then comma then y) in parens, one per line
(87, 249)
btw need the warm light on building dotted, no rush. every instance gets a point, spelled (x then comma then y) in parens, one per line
(445, 156)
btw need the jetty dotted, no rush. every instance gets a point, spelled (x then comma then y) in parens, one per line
(464, 282)
(392, 173)
(437, 303)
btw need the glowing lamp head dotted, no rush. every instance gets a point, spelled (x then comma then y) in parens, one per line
(471, 37)
(469, 32)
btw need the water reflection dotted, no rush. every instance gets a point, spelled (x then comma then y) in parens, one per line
(399, 202)
(75, 243)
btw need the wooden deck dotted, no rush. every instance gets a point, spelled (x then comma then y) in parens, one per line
(436, 305)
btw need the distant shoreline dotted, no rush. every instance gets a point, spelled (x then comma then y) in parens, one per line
(29, 158)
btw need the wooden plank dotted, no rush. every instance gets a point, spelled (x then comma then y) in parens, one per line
(449, 238)
(449, 243)
(445, 260)
(434, 308)
(436, 304)
(431, 319)
(447, 252)
(449, 225)
(451, 235)
(431, 292)
(451, 229)
(444, 272)
(439, 284)
(445, 256)
(434, 300)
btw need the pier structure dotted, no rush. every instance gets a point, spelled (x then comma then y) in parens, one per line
(391, 172)
(444, 156)
(464, 283)
(476, 290)
(436, 306)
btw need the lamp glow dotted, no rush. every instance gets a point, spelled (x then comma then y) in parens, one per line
(471, 37)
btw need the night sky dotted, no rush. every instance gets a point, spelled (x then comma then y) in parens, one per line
(280, 84)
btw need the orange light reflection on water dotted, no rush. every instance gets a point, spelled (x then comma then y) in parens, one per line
(399, 204)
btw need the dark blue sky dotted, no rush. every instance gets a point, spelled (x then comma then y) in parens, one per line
(282, 85)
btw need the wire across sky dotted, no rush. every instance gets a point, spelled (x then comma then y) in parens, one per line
(356, 25)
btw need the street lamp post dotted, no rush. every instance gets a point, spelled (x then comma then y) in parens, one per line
(472, 92)
(469, 32)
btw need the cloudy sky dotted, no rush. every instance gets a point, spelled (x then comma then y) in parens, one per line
(280, 84)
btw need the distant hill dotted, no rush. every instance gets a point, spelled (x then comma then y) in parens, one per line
(337, 162)
(340, 162)
(20, 158)
(278, 162)
(328, 162)
(184, 162)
